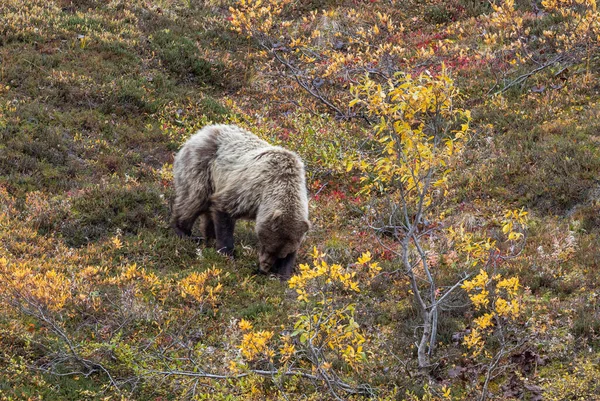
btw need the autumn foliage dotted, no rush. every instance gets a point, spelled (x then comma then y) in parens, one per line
(452, 160)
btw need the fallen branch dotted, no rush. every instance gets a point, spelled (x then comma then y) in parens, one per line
(30, 307)
(519, 80)
(308, 85)
(360, 389)
(310, 89)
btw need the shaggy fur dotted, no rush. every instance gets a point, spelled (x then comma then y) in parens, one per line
(224, 173)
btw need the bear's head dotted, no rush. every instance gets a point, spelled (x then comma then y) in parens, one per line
(280, 237)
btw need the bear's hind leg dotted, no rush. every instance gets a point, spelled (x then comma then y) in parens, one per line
(208, 227)
(184, 215)
(224, 226)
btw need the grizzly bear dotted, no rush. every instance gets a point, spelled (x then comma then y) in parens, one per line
(224, 173)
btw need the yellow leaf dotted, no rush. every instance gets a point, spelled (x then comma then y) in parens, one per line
(117, 243)
(245, 325)
(364, 258)
(349, 166)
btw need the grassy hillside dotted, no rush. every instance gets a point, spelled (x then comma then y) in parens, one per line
(99, 300)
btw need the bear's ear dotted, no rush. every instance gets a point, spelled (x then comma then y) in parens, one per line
(305, 225)
(276, 219)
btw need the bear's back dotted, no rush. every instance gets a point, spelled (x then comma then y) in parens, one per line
(236, 145)
(248, 170)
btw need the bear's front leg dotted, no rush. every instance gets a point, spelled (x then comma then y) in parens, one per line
(224, 227)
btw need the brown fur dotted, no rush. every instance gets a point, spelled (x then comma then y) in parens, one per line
(224, 173)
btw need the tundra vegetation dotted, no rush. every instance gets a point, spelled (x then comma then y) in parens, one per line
(452, 152)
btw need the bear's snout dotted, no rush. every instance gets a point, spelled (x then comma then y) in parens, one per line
(266, 261)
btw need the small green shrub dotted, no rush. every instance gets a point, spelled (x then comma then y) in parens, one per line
(438, 14)
(214, 110)
(252, 311)
(589, 215)
(131, 96)
(35, 156)
(180, 55)
(586, 324)
(104, 209)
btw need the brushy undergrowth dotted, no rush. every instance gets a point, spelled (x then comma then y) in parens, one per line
(99, 300)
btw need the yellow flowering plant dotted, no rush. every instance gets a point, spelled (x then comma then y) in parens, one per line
(327, 324)
(326, 337)
(204, 287)
(498, 300)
